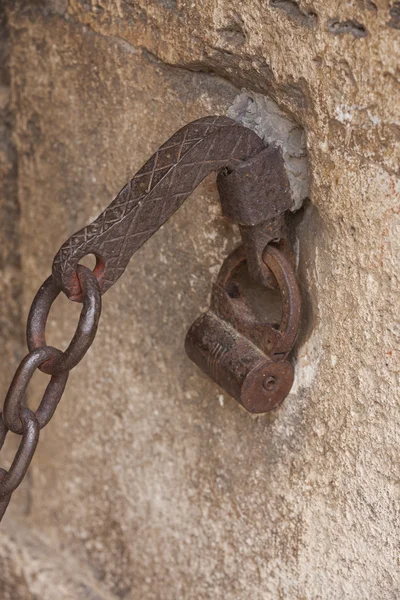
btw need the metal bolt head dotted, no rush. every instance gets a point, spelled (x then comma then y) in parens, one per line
(266, 385)
(269, 383)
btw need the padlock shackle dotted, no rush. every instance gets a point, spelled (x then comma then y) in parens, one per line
(289, 289)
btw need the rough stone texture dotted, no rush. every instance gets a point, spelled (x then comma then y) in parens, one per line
(30, 570)
(151, 479)
(10, 309)
(11, 328)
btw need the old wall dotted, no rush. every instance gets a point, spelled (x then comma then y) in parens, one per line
(10, 311)
(149, 483)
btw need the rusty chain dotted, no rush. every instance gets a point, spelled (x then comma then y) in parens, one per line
(16, 417)
(142, 206)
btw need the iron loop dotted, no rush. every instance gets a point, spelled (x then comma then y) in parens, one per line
(19, 384)
(4, 501)
(3, 431)
(87, 326)
(30, 437)
(289, 289)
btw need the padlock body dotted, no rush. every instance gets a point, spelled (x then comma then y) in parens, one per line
(237, 365)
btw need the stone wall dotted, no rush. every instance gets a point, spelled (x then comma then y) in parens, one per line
(149, 483)
(10, 272)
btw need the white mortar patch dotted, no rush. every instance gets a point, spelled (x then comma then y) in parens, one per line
(307, 362)
(264, 116)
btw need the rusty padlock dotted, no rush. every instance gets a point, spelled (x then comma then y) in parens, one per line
(248, 358)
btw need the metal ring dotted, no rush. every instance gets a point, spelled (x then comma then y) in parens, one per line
(87, 326)
(30, 437)
(3, 431)
(4, 501)
(19, 384)
(289, 289)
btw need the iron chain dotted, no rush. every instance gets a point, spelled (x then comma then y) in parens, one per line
(16, 417)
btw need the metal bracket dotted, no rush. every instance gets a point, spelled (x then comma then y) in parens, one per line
(253, 185)
(255, 195)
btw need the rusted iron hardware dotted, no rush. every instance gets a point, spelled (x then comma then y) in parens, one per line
(247, 357)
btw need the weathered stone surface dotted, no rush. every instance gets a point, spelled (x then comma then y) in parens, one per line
(11, 327)
(10, 308)
(151, 478)
(31, 569)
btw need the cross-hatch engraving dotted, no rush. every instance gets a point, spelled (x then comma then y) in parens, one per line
(156, 191)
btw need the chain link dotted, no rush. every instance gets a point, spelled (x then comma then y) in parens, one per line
(87, 326)
(16, 417)
(30, 437)
(19, 384)
(4, 501)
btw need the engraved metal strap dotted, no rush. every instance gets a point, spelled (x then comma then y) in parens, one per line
(156, 191)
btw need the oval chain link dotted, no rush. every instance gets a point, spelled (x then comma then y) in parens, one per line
(5, 500)
(87, 326)
(30, 437)
(19, 384)
(16, 417)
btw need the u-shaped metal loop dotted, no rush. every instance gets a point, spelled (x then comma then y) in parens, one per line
(231, 304)
(290, 296)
